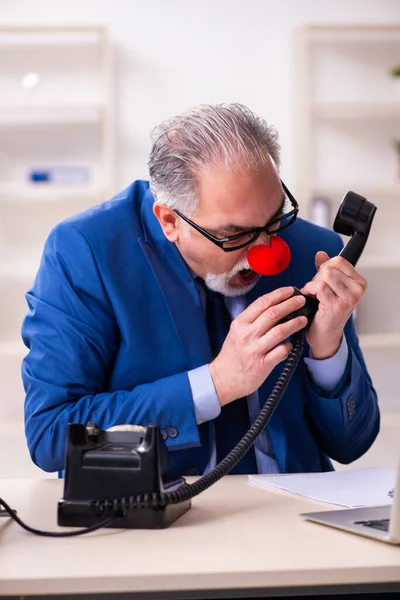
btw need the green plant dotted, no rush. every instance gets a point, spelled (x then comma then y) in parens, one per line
(395, 72)
(397, 146)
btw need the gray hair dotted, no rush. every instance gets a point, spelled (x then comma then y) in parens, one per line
(183, 146)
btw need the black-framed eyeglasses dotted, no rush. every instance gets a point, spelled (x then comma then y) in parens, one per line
(240, 240)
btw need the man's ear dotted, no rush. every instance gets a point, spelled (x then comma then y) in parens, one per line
(168, 220)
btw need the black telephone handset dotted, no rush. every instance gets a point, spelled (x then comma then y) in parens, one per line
(354, 218)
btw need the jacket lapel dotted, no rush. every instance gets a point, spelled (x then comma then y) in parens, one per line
(177, 287)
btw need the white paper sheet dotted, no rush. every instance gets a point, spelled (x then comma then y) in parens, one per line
(351, 488)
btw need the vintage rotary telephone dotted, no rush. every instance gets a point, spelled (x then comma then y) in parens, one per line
(122, 477)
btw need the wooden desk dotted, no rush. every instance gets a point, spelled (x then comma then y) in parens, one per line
(236, 541)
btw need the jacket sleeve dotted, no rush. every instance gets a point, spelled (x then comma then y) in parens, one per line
(346, 421)
(73, 339)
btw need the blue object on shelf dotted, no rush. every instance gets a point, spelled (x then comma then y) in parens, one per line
(39, 176)
(62, 174)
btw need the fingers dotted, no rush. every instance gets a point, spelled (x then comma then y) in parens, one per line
(322, 291)
(320, 258)
(279, 333)
(344, 283)
(263, 303)
(278, 354)
(333, 284)
(340, 264)
(271, 317)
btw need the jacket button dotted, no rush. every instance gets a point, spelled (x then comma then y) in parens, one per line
(164, 434)
(172, 432)
(350, 407)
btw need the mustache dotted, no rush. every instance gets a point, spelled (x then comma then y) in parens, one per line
(239, 267)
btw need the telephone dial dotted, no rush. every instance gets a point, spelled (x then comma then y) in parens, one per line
(122, 477)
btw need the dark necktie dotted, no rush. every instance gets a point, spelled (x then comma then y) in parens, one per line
(233, 421)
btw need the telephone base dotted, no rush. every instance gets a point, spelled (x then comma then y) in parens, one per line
(117, 473)
(79, 513)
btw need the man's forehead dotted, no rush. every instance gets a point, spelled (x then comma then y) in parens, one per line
(244, 189)
(240, 199)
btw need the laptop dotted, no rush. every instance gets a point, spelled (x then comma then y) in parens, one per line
(377, 522)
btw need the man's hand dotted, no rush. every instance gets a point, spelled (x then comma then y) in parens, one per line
(254, 344)
(339, 288)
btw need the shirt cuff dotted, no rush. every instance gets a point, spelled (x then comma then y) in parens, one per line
(205, 399)
(328, 372)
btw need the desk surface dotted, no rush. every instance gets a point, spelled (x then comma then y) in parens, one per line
(235, 536)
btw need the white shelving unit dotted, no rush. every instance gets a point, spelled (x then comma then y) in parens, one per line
(55, 111)
(355, 110)
(347, 119)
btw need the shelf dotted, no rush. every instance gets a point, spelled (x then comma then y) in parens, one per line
(49, 192)
(379, 340)
(58, 36)
(354, 35)
(367, 32)
(356, 110)
(28, 115)
(19, 271)
(379, 262)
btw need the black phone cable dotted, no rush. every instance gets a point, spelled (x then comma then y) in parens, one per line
(13, 514)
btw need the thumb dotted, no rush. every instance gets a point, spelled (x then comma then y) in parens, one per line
(320, 258)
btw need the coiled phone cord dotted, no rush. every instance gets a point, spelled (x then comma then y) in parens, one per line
(189, 490)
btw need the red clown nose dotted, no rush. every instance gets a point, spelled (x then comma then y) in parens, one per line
(270, 260)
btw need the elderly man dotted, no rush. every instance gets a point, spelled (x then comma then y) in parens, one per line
(145, 310)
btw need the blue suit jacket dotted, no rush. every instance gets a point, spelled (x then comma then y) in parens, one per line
(115, 323)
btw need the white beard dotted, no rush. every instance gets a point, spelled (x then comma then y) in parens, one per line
(221, 283)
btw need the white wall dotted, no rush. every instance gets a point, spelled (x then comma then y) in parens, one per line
(173, 54)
